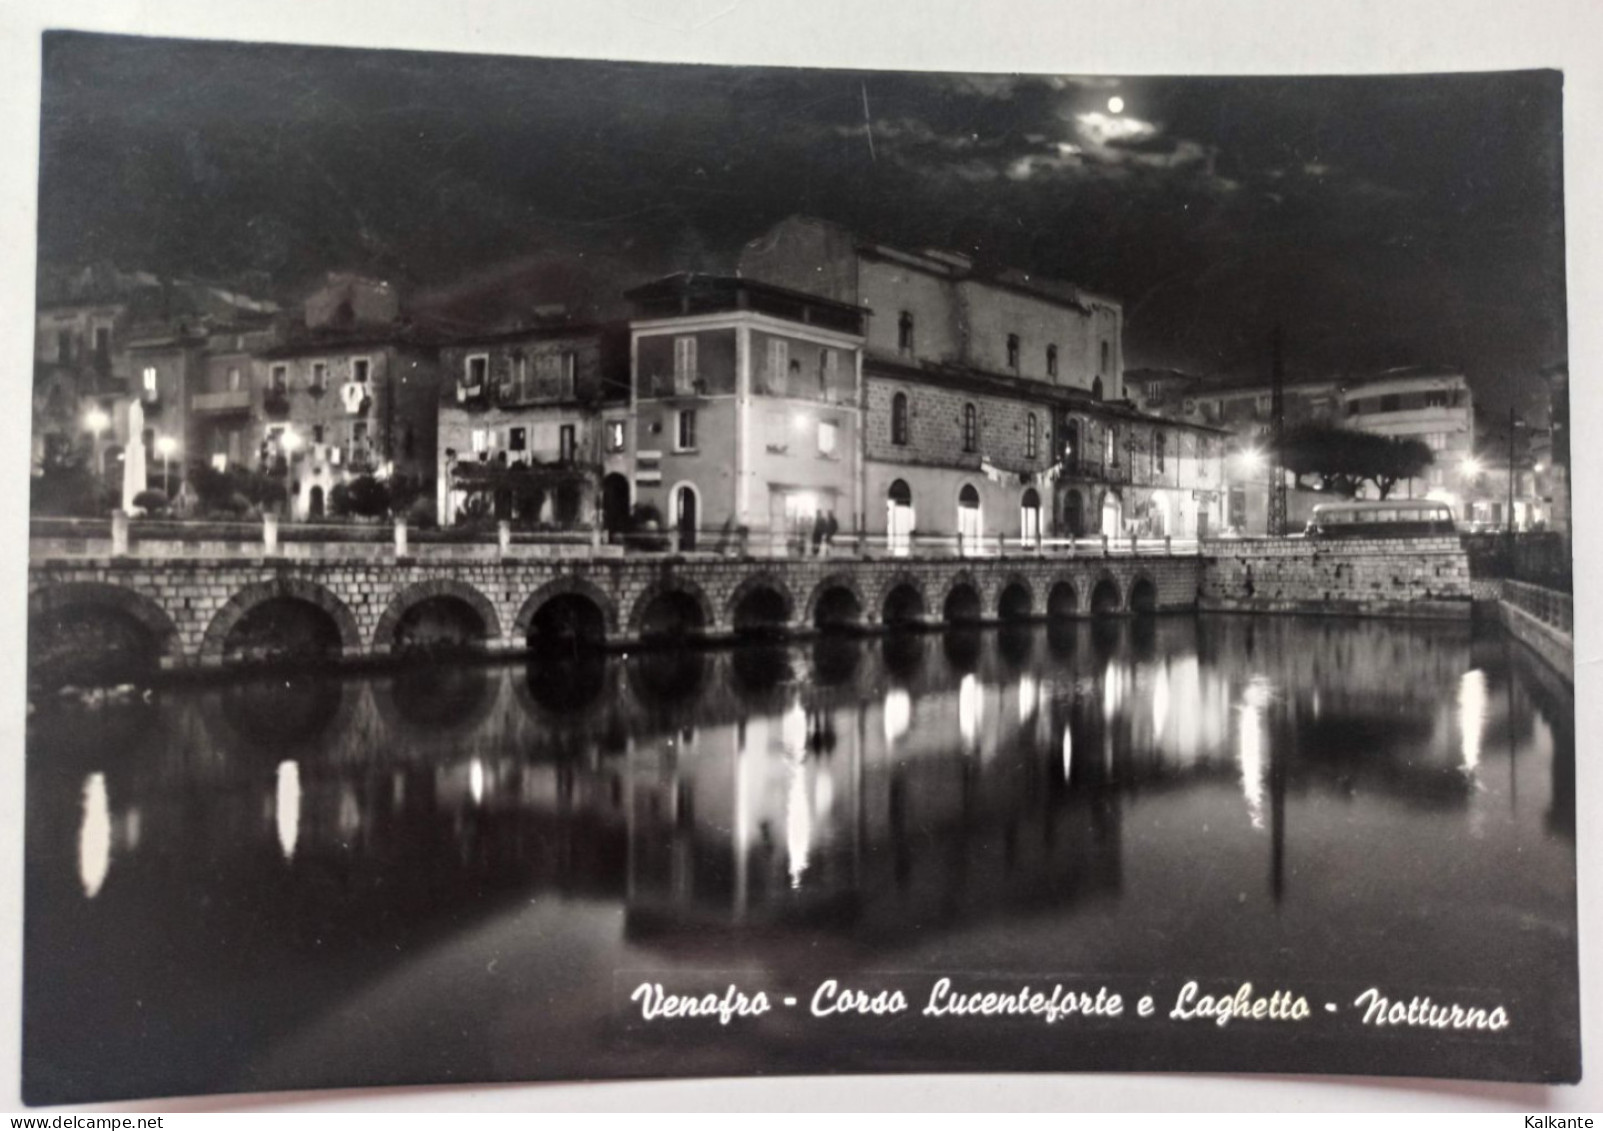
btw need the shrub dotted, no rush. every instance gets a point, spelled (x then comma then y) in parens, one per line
(152, 501)
(421, 513)
(363, 496)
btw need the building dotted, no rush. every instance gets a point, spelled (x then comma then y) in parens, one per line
(994, 399)
(747, 412)
(534, 426)
(1430, 404)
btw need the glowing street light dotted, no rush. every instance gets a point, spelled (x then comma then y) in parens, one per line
(1471, 467)
(165, 447)
(97, 422)
(1251, 459)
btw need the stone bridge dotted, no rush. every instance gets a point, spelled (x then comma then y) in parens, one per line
(192, 612)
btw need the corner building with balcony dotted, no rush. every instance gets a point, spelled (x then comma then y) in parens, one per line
(994, 400)
(747, 411)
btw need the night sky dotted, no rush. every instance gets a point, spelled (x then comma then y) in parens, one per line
(1381, 221)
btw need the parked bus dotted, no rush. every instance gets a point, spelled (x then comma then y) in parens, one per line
(1401, 518)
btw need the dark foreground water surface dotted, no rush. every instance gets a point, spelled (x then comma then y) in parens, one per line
(462, 873)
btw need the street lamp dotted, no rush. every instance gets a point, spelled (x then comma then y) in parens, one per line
(289, 441)
(97, 422)
(165, 447)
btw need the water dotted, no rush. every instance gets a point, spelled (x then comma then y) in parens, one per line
(460, 873)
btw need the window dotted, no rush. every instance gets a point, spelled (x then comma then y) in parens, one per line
(1012, 351)
(518, 440)
(1107, 355)
(1096, 388)
(615, 435)
(149, 379)
(479, 439)
(1436, 399)
(776, 431)
(778, 366)
(1111, 451)
(971, 428)
(684, 365)
(102, 343)
(476, 372)
(1160, 448)
(686, 432)
(319, 375)
(828, 370)
(827, 438)
(361, 369)
(63, 345)
(566, 374)
(233, 378)
(899, 419)
(317, 433)
(567, 443)
(904, 332)
(359, 433)
(1031, 440)
(278, 378)
(1353, 406)
(1389, 403)
(1052, 361)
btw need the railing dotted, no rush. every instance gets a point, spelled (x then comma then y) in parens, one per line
(231, 401)
(161, 538)
(1551, 607)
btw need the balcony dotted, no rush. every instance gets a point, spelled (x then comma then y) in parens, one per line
(237, 400)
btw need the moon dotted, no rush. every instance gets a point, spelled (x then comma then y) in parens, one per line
(1116, 104)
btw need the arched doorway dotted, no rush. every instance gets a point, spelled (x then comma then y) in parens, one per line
(1074, 513)
(685, 510)
(1030, 517)
(899, 518)
(969, 522)
(314, 503)
(614, 503)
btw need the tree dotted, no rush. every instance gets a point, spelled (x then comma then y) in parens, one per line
(1343, 460)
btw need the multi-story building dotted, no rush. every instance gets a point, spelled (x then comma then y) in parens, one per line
(747, 410)
(994, 399)
(350, 389)
(1432, 405)
(534, 426)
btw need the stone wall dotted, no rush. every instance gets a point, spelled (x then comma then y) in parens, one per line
(1415, 577)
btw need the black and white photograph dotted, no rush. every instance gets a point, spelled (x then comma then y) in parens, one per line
(568, 569)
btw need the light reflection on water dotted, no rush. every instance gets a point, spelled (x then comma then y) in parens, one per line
(1155, 796)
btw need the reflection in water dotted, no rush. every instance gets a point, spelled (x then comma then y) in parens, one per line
(1250, 744)
(821, 804)
(1472, 716)
(288, 808)
(94, 836)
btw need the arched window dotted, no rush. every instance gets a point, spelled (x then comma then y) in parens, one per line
(969, 523)
(1012, 351)
(899, 518)
(904, 332)
(1030, 516)
(1052, 360)
(971, 428)
(1096, 388)
(1160, 445)
(899, 418)
(1031, 439)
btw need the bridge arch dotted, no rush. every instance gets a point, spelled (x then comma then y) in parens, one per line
(1143, 594)
(1063, 599)
(1015, 601)
(761, 602)
(1106, 597)
(258, 593)
(585, 610)
(671, 606)
(387, 636)
(962, 602)
(901, 600)
(62, 596)
(835, 602)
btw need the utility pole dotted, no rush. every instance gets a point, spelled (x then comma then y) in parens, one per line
(1277, 424)
(1512, 422)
